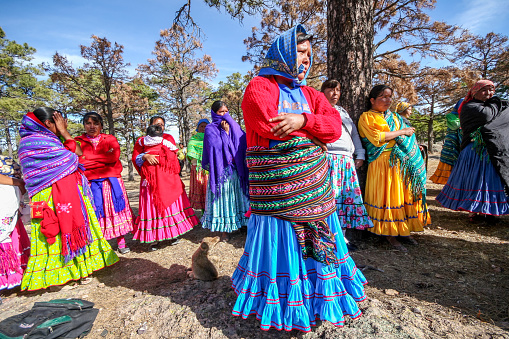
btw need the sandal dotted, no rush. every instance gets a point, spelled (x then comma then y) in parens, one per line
(411, 240)
(86, 281)
(225, 237)
(396, 244)
(175, 242)
(124, 250)
(400, 248)
(153, 246)
(475, 218)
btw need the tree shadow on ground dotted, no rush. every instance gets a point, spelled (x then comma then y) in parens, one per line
(467, 275)
(211, 302)
(196, 235)
(442, 218)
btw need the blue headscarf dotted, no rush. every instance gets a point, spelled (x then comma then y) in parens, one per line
(457, 106)
(199, 122)
(281, 59)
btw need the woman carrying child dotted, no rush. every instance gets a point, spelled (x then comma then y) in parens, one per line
(165, 212)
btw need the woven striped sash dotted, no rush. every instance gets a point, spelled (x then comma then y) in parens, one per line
(451, 148)
(291, 182)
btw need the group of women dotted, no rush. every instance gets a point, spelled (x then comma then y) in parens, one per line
(78, 200)
(479, 174)
(291, 177)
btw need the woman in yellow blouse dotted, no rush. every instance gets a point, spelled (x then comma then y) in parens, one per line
(395, 195)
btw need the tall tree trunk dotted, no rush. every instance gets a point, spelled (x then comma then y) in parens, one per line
(350, 34)
(431, 137)
(8, 139)
(109, 117)
(130, 167)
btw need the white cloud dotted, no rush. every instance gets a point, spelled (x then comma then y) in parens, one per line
(47, 57)
(483, 16)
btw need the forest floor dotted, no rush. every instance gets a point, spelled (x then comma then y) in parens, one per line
(454, 284)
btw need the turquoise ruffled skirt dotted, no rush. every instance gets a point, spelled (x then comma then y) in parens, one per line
(227, 212)
(284, 291)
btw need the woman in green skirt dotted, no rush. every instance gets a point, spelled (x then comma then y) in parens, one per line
(66, 240)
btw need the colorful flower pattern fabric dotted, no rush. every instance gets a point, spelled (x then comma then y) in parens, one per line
(347, 192)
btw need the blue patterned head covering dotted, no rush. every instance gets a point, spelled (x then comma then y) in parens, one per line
(457, 106)
(199, 122)
(281, 59)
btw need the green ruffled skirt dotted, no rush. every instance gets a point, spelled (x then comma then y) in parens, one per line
(46, 264)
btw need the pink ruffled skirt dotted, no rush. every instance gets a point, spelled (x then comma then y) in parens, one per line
(114, 224)
(152, 225)
(14, 257)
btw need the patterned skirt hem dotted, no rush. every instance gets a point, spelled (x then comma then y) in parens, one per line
(347, 193)
(441, 174)
(46, 265)
(152, 225)
(226, 213)
(163, 239)
(293, 294)
(61, 283)
(197, 188)
(224, 224)
(474, 186)
(115, 224)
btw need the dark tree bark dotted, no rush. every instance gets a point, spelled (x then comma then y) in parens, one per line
(8, 138)
(109, 114)
(130, 167)
(431, 136)
(129, 151)
(350, 34)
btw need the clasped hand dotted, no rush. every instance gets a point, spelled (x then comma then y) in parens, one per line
(151, 158)
(408, 131)
(289, 123)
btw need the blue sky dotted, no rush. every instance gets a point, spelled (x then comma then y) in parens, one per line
(62, 26)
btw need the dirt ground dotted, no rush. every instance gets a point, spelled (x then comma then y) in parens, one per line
(454, 284)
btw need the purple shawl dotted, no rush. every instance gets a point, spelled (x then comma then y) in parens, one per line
(44, 159)
(223, 152)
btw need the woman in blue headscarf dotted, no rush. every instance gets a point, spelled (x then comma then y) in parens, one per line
(295, 267)
(224, 156)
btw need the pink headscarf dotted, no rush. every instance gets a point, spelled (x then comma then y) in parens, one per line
(476, 88)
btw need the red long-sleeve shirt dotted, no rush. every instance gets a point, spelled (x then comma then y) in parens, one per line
(261, 100)
(100, 163)
(138, 149)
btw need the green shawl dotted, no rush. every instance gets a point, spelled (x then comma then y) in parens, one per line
(195, 147)
(407, 153)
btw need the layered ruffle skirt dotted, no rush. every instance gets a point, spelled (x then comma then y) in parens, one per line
(347, 193)
(152, 225)
(273, 282)
(441, 174)
(14, 257)
(46, 265)
(389, 201)
(227, 212)
(115, 224)
(474, 186)
(198, 187)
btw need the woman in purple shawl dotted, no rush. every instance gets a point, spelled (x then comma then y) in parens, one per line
(224, 156)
